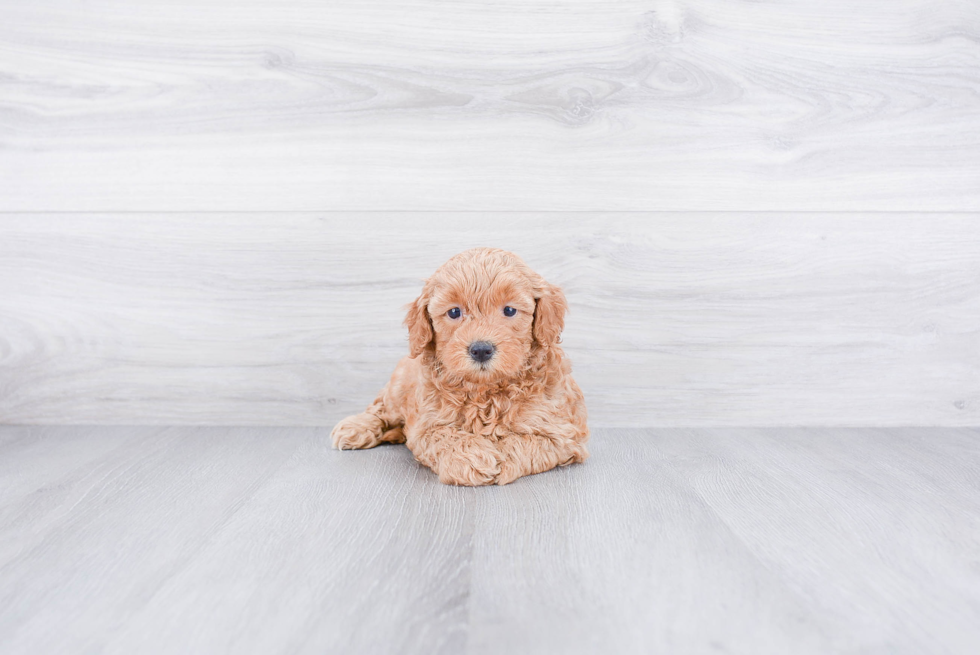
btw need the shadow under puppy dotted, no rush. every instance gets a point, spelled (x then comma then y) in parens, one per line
(486, 395)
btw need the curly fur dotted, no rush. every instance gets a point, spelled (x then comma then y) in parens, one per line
(471, 423)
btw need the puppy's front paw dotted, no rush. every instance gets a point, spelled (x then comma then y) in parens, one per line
(358, 431)
(530, 454)
(470, 463)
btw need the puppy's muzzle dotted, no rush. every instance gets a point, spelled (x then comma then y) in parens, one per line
(481, 351)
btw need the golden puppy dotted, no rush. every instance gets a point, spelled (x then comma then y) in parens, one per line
(486, 395)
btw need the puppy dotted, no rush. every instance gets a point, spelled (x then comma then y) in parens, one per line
(486, 395)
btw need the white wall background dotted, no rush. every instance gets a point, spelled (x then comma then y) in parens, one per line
(762, 213)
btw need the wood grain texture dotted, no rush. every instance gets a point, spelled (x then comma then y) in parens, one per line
(264, 540)
(279, 319)
(505, 105)
(96, 541)
(739, 540)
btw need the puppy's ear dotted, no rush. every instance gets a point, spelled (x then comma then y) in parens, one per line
(549, 315)
(419, 325)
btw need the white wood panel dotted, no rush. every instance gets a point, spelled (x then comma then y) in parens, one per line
(505, 105)
(264, 540)
(676, 319)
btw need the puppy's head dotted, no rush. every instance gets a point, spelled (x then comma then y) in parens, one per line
(483, 312)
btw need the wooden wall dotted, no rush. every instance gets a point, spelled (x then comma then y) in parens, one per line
(762, 213)
(764, 319)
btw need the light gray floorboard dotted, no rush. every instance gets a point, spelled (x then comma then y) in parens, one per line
(336, 553)
(87, 546)
(263, 540)
(676, 318)
(190, 105)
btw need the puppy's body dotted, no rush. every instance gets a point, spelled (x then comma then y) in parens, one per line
(486, 395)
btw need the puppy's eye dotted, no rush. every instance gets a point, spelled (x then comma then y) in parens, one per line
(455, 312)
(509, 311)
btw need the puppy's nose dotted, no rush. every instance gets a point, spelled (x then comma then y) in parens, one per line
(481, 351)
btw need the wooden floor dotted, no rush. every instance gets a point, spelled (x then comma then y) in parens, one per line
(264, 540)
